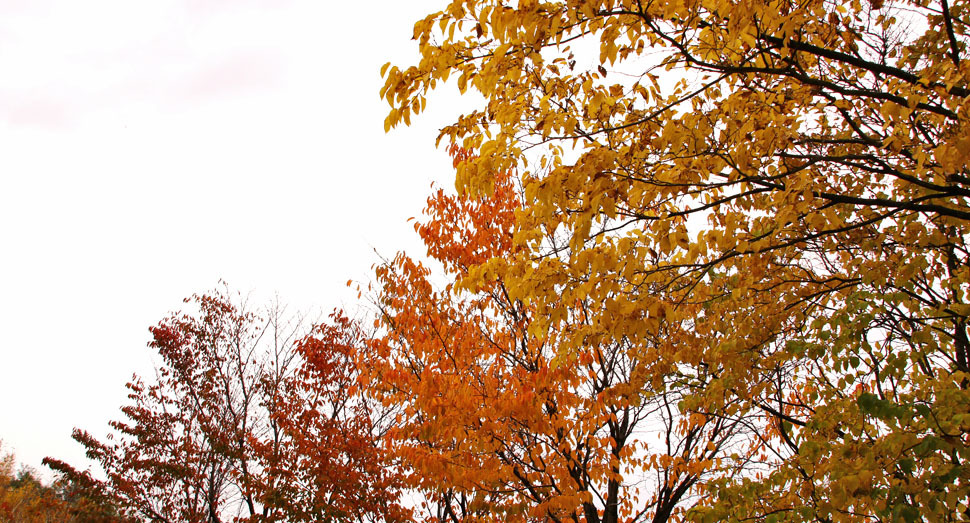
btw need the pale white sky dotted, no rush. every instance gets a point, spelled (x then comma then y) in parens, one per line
(150, 148)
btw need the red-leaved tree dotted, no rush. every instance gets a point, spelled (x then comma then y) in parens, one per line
(251, 419)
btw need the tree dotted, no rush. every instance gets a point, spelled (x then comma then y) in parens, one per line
(330, 466)
(25, 498)
(499, 423)
(786, 204)
(247, 421)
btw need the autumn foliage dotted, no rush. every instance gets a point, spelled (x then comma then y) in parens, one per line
(503, 423)
(751, 213)
(26, 498)
(248, 420)
(707, 261)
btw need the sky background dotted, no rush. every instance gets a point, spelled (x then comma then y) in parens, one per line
(149, 149)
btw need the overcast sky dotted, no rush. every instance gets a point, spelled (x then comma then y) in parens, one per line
(149, 148)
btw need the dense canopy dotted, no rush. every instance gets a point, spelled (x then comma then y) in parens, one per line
(761, 204)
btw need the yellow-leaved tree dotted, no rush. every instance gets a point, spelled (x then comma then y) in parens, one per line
(764, 200)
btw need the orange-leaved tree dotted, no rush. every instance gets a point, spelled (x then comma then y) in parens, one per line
(785, 182)
(249, 419)
(500, 421)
